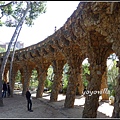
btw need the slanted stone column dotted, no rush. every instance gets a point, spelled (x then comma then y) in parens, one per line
(116, 48)
(74, 61)
(42, 74)
(80, 82)
(104, 87)
(97, 56)
(58, 70)
(27, 74)
(92, 100)
(22, 77)
(116, 110)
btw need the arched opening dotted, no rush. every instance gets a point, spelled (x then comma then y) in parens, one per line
(85, 72)
(18, 81)
(33, 80)
(109, 85)
(49, 79)
(112, 73)
(65, 78)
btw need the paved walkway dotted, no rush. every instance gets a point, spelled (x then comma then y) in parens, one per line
(16, 107)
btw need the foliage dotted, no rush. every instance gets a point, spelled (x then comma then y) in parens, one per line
(48, 84)
(112, 73)
(14, 14)
(50, 74)
(65, 72)
(13, 11)
(50, 77)
(112, 77)
(85, 69)
(18, 77)
(34, 79)
(65, 78)
(112, 93)
(2, 50)
(65, 84)
(65, 68)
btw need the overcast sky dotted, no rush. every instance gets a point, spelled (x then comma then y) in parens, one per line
(56, 15)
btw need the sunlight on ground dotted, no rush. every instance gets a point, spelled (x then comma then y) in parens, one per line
(80, 101)
(17, 92)
(46, 96)
(60, 97)
(106, 109)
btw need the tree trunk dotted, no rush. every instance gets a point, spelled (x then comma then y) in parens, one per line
(10, 80)
(8, 51)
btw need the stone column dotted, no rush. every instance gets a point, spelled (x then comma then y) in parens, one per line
(74, 61)
(22, 76)
(116, 48)
(94, 86)
(80, 82)
(58, 70)
(42, 74)
(104, 87)
(97, 56)
(27, 74)
(114, 38)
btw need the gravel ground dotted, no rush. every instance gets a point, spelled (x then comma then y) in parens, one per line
(16, 107)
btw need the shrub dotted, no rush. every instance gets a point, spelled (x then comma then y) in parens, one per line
(112, 93)
(48, 84)
(65, 84)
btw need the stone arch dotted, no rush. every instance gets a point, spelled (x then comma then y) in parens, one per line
(57, 70)
(42, 74)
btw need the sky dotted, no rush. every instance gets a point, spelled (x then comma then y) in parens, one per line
(56, 15)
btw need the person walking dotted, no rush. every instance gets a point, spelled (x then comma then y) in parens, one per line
(4, 87)
(29, 100)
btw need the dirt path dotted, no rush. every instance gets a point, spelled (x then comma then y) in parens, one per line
(16, 107)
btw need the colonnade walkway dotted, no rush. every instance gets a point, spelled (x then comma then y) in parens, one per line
(16, 107)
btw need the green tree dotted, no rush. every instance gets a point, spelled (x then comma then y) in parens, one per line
(34, 79)
(48, 84)
(2, 50)
(50, 77)
(65, 77)
(50, 74)
(17, 13)
(85, 69)
(18, 76)
(112, 77)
